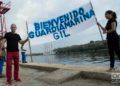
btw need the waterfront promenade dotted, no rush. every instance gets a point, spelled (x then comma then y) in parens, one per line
(33, 74)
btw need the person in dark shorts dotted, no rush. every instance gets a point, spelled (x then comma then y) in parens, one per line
(12, 39)
(23, 54)
(112, 37)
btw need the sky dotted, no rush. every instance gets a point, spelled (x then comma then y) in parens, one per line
(41, 10)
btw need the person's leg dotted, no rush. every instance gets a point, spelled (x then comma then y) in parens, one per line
(16, 66)
(112, 58)
(23, 57)
(111, 53)
(9, 67)
(1, 66)
(117, 48)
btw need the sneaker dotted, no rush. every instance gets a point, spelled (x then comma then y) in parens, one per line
(18, 80)
(24, 62)
(111, 69)
(9, 83)
(1, 76)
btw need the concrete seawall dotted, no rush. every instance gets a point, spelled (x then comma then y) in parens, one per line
(60, 73)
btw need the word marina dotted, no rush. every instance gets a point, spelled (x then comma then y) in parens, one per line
(58, 26)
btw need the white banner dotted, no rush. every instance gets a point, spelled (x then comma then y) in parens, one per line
(63, 26)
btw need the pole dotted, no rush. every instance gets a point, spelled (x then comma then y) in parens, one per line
(4, 24)
(1, 24)
(29, 43)
(97, 25)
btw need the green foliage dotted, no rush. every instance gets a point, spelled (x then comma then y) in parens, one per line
(90, 47)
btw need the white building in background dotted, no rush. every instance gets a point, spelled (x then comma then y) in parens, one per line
(48, 49)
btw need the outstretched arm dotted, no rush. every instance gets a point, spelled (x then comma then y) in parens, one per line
(103, 28)
(1, 38)
(23, 41)
(2, 44)
(22, 47)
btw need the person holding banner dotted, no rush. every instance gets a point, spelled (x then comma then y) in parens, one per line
(112, 37)
(13, 39)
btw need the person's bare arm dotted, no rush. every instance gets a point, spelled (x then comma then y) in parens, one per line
(113, 27)
(23, 41)
(103, 28)
(1, 38)
(3, 41)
